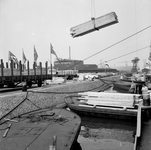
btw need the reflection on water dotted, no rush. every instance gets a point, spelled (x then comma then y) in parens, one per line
(106, 134)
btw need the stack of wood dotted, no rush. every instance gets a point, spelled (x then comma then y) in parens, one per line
(109, 99)
(94, 24)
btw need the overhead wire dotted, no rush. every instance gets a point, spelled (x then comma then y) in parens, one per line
(123, 55)
(126, 54)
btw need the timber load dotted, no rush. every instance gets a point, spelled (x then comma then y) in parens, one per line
(94, 24)
(106, 105)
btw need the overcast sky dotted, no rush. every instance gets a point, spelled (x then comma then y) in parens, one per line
(25, 23)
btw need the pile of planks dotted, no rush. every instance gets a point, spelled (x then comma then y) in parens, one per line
(94, 24)
(109, 99)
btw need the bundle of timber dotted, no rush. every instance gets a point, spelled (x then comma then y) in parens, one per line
(94, 24)
(110, 99)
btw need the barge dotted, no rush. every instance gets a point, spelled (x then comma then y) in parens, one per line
(44, 129)
(101, 104)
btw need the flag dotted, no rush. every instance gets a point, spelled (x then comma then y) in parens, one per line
(35, 55)
(53, 52)
(11, 56)
(24, 58)
(106, 64)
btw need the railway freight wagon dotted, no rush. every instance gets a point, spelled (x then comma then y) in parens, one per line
(13, 76)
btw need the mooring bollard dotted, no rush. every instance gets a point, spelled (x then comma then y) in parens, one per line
(24, 87)
(146, 102)
(146, 99)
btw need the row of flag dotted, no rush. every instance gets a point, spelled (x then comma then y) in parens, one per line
(12, 57)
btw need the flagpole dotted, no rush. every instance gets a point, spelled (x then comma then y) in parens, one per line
(22, 55)
(8, 57)
(51, 60)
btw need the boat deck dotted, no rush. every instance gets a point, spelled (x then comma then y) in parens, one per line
(41, 130)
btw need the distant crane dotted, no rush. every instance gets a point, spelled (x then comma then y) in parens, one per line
(135, 65)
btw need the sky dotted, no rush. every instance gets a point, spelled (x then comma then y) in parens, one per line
(25, 23)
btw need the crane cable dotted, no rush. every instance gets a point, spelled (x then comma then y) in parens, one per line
(93, 14)
(92, 9)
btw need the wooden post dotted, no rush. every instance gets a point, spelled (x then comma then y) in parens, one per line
(51, 71)
(2, 66)
(6, 64)
(28, 67)
(40, 64)
(12, 65)
(46, 65)
(34, 67)
(20, 70)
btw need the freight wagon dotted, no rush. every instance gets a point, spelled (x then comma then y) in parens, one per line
(12, 76)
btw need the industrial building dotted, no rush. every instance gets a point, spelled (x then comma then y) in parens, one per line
(70, 64)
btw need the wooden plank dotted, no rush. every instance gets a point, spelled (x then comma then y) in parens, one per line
(94, 24)
(108, 99)
(110, 104)
(106, 102)
(104, 93)
(110, 95)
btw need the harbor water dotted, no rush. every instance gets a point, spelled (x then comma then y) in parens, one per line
(106, 134)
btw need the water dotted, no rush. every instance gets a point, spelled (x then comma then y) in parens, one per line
(106, 134)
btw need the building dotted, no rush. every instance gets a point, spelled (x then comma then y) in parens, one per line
(68, 64)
